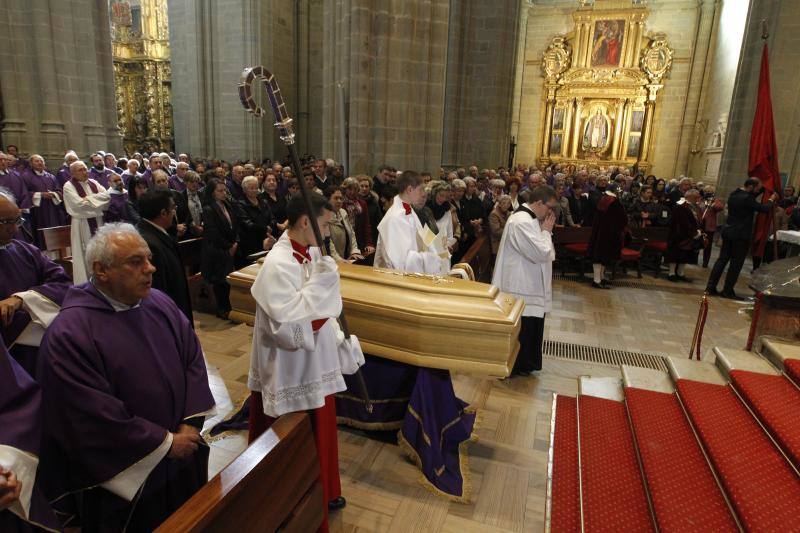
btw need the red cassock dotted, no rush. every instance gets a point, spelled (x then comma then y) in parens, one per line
(323, 422)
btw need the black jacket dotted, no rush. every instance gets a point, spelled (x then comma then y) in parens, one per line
(218, 237)
(741, 207)
(253, 223)
(170, 275)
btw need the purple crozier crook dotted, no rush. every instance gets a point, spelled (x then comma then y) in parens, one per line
(283, 122)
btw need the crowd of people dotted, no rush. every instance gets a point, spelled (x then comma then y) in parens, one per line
(108, 387)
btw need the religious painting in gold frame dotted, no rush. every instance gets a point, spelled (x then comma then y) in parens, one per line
(607, 43)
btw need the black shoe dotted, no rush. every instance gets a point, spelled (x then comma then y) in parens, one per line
(599, 285)
(338, 503)
(605, 283)
(684, 279)
(223, 314)
(673, 278)
(711, 292)
(730, 295)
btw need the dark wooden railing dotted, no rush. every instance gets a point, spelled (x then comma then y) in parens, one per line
(273, 485)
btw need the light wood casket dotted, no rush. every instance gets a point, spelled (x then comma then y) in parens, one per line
(446, 323)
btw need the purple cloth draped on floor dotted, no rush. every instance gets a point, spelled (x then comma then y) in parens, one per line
(25, 268)
(114, 384)
(47, 214)
(20, 420)
(433, 422)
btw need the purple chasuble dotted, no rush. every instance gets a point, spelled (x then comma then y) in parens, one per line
(100, 176)
(26, 268)
(20, 418)
(47, 214)
(176, 184)
(14, 183)
(117, 209)
(63, 176)
(114, 384)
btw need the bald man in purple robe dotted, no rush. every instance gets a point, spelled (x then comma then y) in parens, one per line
(32, 288)
(63, 175)
(13, 182)
(47, 209)
(23, 507)
(125, 393)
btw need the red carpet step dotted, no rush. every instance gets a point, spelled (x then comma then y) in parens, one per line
(565, 514)
(612, 490)
(792, 369)
(776, 403)
(761, 485)
(685, 496)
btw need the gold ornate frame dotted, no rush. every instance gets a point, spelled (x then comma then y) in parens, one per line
(626, 92)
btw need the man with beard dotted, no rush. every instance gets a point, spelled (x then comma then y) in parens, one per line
(99, 172)
(122, 409)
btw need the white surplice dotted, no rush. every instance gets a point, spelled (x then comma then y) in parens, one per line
(82, 209)
(293, 366)
(524, 265)
(398, 247)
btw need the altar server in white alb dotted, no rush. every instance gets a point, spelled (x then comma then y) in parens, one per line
(524, 269)
(85, 200)
(299, 351)
(403, 242)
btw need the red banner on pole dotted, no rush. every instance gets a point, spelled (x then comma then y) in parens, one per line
(764, 154)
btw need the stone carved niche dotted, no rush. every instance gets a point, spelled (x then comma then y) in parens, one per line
(602, 83)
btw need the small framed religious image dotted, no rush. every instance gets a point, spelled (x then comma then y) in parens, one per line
(555, 143)
(634, 142)
(558, 119)
(637, 121)
(607, 43)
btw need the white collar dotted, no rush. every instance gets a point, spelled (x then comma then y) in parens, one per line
(681, 201)
(611, 194)
(156, 226)
(38, 173)
(116, 304)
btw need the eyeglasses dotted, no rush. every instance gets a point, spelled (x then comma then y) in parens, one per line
(19, 221)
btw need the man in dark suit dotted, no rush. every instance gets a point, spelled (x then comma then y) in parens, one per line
(736, 235)
(157, 209)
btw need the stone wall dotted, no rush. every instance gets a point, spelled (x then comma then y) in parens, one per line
(782, 23)
(480, 76)
(57, 78)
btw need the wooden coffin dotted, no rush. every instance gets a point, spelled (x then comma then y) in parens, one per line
(446, 323)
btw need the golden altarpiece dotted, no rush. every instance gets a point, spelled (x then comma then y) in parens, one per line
(140, 41)
(602, 84)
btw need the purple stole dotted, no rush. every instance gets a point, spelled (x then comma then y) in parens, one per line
(82, 193)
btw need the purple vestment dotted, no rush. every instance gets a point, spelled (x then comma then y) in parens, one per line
(25, 268)
(14, 183)
(147, 175)
(100, 176)
(114, 384)
(63, 176)
(20, 420)
(48, 213)
(177, 184)
(118, 209)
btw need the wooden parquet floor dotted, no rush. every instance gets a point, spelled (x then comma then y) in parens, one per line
(508, 464)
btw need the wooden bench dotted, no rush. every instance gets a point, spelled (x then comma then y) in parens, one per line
(652, 241)
(57, 240)
(272, 486)
(571, 245)
(479, 257)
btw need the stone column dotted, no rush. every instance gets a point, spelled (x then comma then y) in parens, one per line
(391, 58)
(705, 23)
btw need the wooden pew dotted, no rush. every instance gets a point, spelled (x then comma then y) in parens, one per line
(273, 485)
(653, 243)
(479, 257)
(57, 239)
(571, 245)
(200, 292)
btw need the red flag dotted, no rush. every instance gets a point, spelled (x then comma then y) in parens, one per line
(764, 154)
